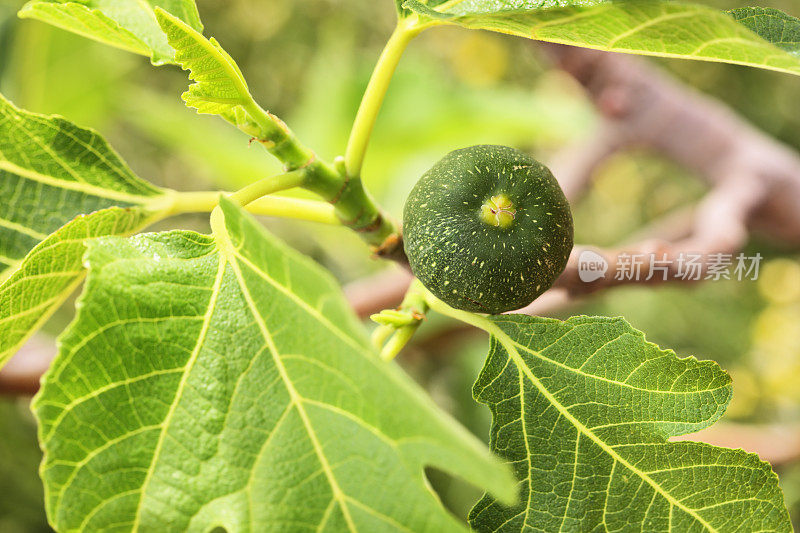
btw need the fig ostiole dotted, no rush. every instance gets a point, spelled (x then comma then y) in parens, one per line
(487, 229)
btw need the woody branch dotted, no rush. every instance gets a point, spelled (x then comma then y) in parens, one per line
(755, 187)
(754, 180)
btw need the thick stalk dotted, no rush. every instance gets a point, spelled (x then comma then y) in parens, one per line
(278, 139)
(358, 211)
(374, 95)
(353, 206)
(341, 185)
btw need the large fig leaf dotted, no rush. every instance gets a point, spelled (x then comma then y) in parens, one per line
(647, 27)
(583, 410)
(224, 382)
(52, 171)
(127, 24)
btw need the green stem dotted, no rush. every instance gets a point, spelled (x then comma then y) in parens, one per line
(416, 304)
(271, 206)
(277, 138)
(353, 206)
(398, 341)
(381, 335)
(296, 208)
(473, 319)
(338, 184)
(269, 185)
(375, 93)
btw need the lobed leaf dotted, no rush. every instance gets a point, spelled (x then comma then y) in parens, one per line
(583, 410)
(646, 27)
(127, 24)
(220, 87)
(223, 381)
(52, 171)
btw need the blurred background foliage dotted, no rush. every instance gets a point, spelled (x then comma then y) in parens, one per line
(308, 61)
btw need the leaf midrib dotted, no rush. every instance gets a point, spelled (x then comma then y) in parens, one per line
(651, 22)
(212, 305)
(79, 186)
(229, 254)
(296, 398)
(540, 355)
(510, 346)
(301, 303)
(622, 384)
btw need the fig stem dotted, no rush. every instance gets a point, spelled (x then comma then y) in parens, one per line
(269, 185)
(375, 93)
(415, 306)
(271, 206)
(398, 341)
(473, 319)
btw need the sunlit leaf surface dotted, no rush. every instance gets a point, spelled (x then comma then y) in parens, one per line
(52, 171)
(224, 381)
(127, 24)
(583, 410)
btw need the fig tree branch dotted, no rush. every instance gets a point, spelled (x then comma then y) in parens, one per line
(754, 180)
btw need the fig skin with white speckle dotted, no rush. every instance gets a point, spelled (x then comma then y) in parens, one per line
(468, 261)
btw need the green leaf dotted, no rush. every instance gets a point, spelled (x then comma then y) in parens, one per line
(53, 270)
(464, 7)
(583, 410)
(772, 25)
(127, 24)
(52, 171)
(404, 11)
(423, 9)
(219, 88)
(224, 382)
(646, 27)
